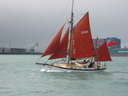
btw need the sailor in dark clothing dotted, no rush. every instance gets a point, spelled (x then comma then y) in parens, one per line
(91, 65)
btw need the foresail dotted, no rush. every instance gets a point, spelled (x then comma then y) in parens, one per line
(102, 53)
(54, 45)
(62, 50)
(82, 44)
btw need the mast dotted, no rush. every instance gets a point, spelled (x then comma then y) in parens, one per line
(95, 52)
(71, 31)
(95, 48)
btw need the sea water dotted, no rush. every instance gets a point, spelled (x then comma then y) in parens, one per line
(20, 76)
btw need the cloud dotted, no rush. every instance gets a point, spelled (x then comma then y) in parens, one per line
(26, 22)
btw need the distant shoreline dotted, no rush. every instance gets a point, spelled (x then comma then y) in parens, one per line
(20, 53)
(113, 55)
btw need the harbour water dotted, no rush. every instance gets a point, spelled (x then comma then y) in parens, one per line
(20, 76)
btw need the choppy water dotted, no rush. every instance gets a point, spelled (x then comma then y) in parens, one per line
(19, 76)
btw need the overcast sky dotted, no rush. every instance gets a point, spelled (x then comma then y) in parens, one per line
(25, 22)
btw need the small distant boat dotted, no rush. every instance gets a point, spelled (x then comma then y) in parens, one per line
(75, 50)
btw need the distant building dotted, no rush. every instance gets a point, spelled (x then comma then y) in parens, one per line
(98, 42)
(113, 39)
(12, 50)
(5, 50)
(18, 50)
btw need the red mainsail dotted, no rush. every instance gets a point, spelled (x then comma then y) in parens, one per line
(102, 53)
(82, 44)
(54, 45)
(62, 50)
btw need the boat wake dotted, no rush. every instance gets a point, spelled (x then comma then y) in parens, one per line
(52, 70)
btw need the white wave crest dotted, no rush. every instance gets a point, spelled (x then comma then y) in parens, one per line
(51, 70)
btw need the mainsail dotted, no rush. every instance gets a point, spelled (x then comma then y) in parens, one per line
(82, 44)
(54, 45)
(102, 53)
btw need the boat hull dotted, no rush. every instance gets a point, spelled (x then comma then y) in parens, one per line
(70, 69)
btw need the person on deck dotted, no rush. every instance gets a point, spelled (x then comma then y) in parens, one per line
(91, 64)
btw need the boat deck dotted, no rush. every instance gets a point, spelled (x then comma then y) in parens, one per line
(78, 66)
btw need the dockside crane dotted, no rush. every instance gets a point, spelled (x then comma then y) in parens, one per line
(32, 48)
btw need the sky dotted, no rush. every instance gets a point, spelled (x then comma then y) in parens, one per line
(23, 23)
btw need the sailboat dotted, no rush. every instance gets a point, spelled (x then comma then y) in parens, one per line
(75, 50)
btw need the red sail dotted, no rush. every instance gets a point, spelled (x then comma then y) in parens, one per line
(62, 50)
(102, 53)
(54, 45)
(82, 44)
